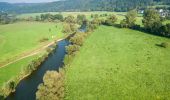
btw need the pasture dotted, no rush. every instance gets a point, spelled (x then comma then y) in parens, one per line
(13, 70)
(22, 37)
(120, 64)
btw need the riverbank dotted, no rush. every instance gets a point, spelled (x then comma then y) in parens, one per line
(23, 76)
(30, 83)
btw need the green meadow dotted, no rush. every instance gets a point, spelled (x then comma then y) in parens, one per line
(13, 70)
(120, 64)
(22, 37)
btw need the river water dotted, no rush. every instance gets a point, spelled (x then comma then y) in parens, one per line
(26, 89)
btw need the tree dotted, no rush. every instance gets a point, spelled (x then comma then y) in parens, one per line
(69, 19)
(81, 19)
(151, 20)
(72, 49)
(37, 18)
(52, 87)
(131, 18)
(165, 30)
(66, 28)
(123, 24)
(111, 20)
(58, 17)
(77, 39)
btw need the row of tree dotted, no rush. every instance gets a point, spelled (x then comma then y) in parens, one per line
(152, 22)
(5, 18)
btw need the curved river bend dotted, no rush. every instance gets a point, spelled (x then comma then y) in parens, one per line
(27, 88)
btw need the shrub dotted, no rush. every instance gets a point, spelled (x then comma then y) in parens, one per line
(72, 49)
(164, 44)
(9, 87)
(1, 95)
(52, 88)
(77, 39)
(111, 20)
(43, 40)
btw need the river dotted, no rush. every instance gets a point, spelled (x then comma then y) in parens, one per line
(26, 89)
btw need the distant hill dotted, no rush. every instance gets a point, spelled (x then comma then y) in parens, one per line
(77, 5)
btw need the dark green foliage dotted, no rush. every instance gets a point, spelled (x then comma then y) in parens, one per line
(77, 5)
(50, 17)
(37, 18)
(58, 17)
(6, 18)
(152, 21)
(111, 20)
(165, 30)
(52, 87)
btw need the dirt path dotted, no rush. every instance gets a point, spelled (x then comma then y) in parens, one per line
(35, 52)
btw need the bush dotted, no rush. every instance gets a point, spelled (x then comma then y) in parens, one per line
(1, 95)
(52, 88)
(43, 40)
(165, 30)
(77, 39)
(164, 45)
(72, 49)
(9, 87)
(111, 20)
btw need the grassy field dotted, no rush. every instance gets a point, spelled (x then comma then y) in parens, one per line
(13, 70)
(21, 37)
(120, 64)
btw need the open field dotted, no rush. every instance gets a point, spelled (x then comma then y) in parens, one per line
(120, 64)
(22, 37)
(13, 70)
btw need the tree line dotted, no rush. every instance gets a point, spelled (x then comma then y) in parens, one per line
(6, 18)
(152, 22)
(80, 5)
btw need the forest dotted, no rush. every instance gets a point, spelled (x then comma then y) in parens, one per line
(80, 5)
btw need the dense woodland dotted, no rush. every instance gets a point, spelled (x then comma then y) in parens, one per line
(80, 5)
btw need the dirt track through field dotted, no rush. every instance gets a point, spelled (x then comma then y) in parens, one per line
(35, 52)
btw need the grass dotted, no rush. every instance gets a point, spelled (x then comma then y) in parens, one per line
(120, 15)
(13, 70)
(120, 64)
(21, 37)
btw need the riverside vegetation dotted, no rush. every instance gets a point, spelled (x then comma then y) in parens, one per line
(94, 76)
(61, 87)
